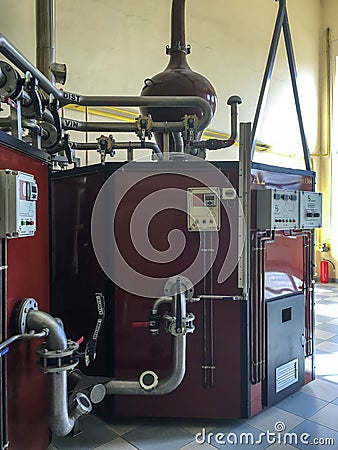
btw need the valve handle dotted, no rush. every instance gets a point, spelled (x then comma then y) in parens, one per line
(178, 306)
(33, 90)
(90, 350)
(140, 324)
(66, 147)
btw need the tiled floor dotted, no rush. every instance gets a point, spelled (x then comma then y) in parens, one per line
(309, 417)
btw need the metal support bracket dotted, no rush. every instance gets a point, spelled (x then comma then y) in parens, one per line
(282, 24)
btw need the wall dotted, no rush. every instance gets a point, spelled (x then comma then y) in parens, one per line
(110, 47)
(328, 163)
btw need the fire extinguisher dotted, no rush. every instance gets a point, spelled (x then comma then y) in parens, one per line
(324, 270)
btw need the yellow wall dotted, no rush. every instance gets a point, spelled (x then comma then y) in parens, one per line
(328, 165)
(110, 47)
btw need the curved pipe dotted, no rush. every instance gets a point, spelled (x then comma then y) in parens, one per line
(178, 141)
(61, 421)
(39, 320)
(165, 386)
(20, 61)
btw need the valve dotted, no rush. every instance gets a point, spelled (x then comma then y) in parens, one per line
(105, 145)
(190, 128)
(32, 87)
(144, 125)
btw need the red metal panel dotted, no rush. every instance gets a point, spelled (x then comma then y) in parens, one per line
(28, 276)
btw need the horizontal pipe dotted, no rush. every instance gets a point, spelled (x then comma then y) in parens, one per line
(113, 127)
(138, 101)
(119, 146)
(23, 337)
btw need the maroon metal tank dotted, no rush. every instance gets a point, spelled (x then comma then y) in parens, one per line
(178, 78)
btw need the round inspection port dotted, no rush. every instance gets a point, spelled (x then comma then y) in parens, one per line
(97, 393)
(148, 380)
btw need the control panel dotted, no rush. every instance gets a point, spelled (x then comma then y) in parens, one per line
(18, 197)
(203, 209)
(310, 209)
(277, 209)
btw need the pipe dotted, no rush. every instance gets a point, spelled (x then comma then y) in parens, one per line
(39, 320)
(45, 36)
(19, 337)
(20, 61)
(119, 146)
(2, 78)
(70, 98)
(165, 386)
(61, 421)
(178, 142)
(74, 125)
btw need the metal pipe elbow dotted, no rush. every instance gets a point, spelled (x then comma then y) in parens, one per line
(39, 320)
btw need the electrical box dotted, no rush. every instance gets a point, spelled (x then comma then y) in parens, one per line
(310, 210)
(277, 209)
(18, 197)
(203, 209)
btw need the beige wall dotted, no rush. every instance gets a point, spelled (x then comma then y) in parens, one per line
(110, 47)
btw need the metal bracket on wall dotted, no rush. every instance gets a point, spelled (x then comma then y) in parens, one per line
(282, 23)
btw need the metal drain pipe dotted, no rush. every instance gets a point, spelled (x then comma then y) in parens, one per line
(62, 416)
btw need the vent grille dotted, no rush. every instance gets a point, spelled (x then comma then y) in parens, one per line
(286, 375)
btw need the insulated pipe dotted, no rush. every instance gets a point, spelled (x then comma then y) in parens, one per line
(61, 421)
(45, 36)
(165, 386)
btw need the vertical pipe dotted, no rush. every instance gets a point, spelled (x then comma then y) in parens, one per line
(45, 36)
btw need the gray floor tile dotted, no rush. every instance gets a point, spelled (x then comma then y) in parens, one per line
(302, 405)
(321, 389)
(94, 433)
(328, 309)
(116, 444)
(328, 346)
(334, 322)
(335, 402)
(320, 318)
(196, 446)
(196, 425)
(148, 437)
(328, 327)
(334, 339)
(315, 431)
(327, 416)
(121, 426)
(243, 436)
(281, 447)
(324, 335)
(268, 419)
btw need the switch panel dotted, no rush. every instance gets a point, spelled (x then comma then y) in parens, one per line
(18, 197)
(310, 210)
(277, 209)
(203, 209)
